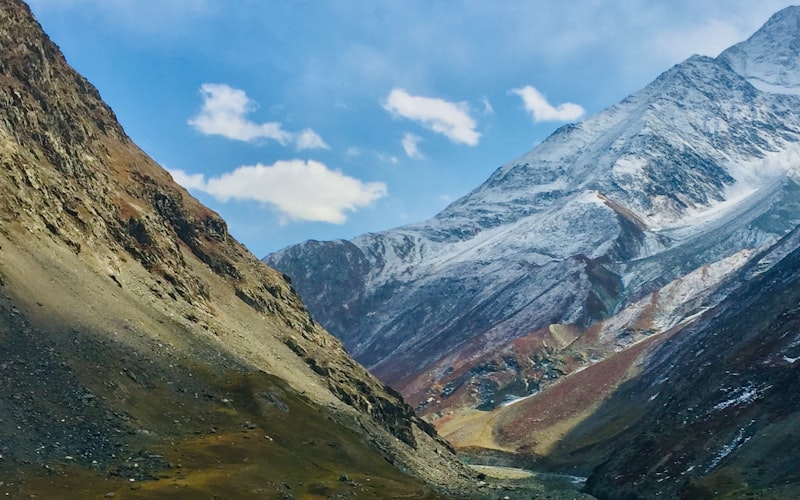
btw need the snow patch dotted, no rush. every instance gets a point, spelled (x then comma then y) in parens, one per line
(748, 395)
(727, 449)
(512, 400)
(629, 166)
(754, 174)
(773, 88)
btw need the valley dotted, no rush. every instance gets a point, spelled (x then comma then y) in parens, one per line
(611, 315)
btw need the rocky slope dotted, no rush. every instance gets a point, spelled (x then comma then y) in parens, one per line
(713, 410)
(142, 349)
(639, 211)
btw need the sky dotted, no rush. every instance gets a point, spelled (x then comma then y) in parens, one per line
(326, 119)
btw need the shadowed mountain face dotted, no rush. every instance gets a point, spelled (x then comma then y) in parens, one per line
(140, 342)
(632, 217)
(716, 406)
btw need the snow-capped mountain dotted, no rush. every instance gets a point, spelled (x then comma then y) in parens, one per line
(699, 168)
(769, 58)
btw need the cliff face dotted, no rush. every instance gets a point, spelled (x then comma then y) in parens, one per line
(132, 320)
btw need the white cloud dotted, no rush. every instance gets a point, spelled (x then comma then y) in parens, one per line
(299, 190)
(189, 181)
(388, 158)
(410, 145)
(542, 111)
(487, 107)
(449, 118)
(224, 113)
(308, 139)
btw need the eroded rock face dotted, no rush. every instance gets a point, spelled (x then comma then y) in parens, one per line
(98, 242)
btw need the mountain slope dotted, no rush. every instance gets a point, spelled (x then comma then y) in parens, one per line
(716, 406)
(706, 409)
(140, 341)
(698, 169)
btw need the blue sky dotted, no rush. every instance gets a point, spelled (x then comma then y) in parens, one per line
(327, 119)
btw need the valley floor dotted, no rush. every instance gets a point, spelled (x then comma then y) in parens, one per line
(515, 483)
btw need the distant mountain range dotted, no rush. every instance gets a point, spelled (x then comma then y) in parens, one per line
(627, 250)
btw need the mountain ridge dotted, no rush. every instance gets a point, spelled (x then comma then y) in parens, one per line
(694, 168)
(756, 57)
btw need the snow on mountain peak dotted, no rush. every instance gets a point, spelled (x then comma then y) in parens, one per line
(770, 59)
(691, 140)
(696, 167)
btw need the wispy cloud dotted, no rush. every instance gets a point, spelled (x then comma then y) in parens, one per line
(308, 139)
(168, 20)
(411, 145)
(708, 38)
(224, 112)
(449, 118)
(385, 158)
(487, 107)
(299, 190)
(542, 111)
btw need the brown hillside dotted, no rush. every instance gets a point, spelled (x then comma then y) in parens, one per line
(141, 346)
